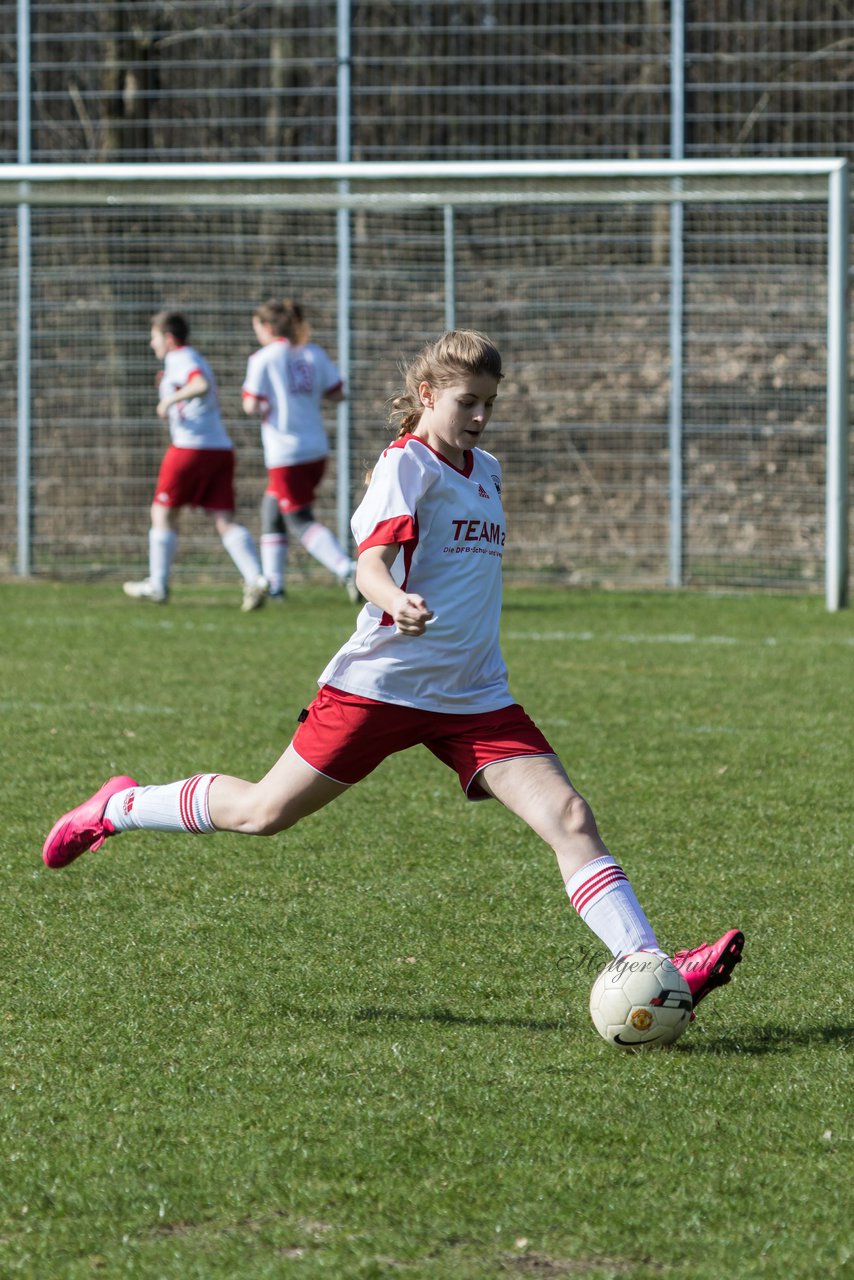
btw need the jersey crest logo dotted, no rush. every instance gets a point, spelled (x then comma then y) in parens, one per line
(496, 480)
(481, 492)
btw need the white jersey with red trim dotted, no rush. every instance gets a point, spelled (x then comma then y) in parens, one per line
(196, 423)
(450, 527)
(293, 381)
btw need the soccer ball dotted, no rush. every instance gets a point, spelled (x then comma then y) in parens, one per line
(640, 1000)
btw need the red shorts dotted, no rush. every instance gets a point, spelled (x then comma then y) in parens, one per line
(345, 737)
(196, 478)
(295, 487)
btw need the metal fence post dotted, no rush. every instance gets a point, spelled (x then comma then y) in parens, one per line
(676, 549)
(836, 533)
(450, 274)
(342, 223)
(24, 390)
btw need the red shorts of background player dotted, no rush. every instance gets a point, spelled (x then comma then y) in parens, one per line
(196, 478)
(344, 737)
(294, 487)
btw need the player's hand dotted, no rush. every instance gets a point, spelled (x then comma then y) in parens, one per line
(163, 409)
(412, 615)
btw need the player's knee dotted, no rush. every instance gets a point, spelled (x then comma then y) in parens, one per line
(266, 816)
(225, 523)
(267, 825)
(297, 522)
(578, 819)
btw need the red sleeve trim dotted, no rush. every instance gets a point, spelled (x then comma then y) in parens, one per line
(399, 531)
(253, 395)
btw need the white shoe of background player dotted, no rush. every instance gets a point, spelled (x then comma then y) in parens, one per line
(146, 590)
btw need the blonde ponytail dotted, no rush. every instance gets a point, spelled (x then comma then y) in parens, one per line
(286, 319)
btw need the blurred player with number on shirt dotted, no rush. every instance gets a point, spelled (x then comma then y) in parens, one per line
(286, 382)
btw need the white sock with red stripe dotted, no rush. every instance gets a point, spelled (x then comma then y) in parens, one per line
(323, 545)
(274, 560)
(178, 806)
(240, 545)
(605, 900)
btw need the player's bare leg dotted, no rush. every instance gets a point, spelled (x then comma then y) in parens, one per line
(164, 517)
(537, 789)
(289, 792)
(198, 805)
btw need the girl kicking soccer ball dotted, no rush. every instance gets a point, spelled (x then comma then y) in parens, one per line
(423, 666)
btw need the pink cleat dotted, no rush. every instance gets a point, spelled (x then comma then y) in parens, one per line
(711, 964)
(83, 828)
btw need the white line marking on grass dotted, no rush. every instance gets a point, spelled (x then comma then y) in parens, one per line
(562, 637)
(78, 622)
(626, 638)
(120, 708)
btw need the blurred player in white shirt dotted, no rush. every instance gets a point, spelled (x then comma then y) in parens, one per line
(424, 667)
(286, 382)
(197, 469)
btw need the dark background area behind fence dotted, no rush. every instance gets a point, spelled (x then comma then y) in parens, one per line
(498, 79)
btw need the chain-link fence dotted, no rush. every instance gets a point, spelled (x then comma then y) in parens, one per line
(495, 79)
(582, 421)
(271, 80)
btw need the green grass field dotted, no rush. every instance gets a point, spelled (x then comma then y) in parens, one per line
(362, 1049)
